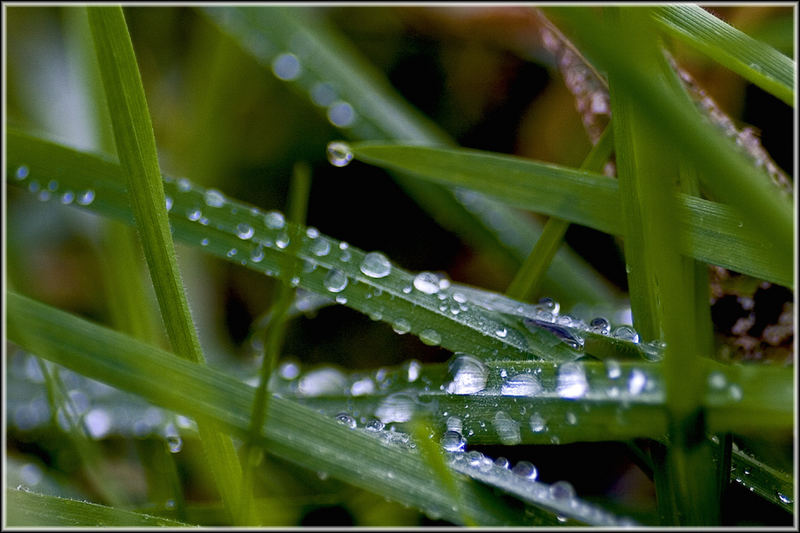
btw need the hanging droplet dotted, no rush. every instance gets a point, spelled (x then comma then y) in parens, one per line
(427, 282)
(376, 265)
(526, 469)
(335, 281)
(521, 385)
(341, 114)
(286, 67)
(453, 441)
(431, 337)
(274, 220)
(571, 381)
(244, 231)
(214, 198)
(339, 154)
(346, 420)
(401, 326)
(600, 325)
(86, 197)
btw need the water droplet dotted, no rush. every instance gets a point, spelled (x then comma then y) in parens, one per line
(430, 337)
(43, 195)
(571, 418)
(286, 67)
(600, 325)
(67, 197)
(626, 333)
(653, 350)
(562, 491)
(469, 374)
(322, 94)
(526, 469)
(521, 385)
(454, 424)
(376, 265)
(735, 392)
(401, 326)
(501, 332)
(613, 370)
(170, 504)
(397, 407)
(194, 214)
(785, 499)
(214, 198)
(31, 474)
(502, 462)
(282, 240)
(548, 304)
(375, 425)
(341, 114)
(322, 381)
(636, 381)
(538, 423)
(335, 281)
(427, 282)
(173, 438)
(339, 154)
(289, 370)
(321, 247)
(346, 420)
(232, 252)
(184, 185)
(168, 202)
(274, 220)
(256, 254)
(717, 380)
(33, 186)
(362, 386)
(452, 441)
(86, 197)
(98, 423)
(507, 428)
(22, 172)
(244, 231)
(571, 382)
(562, 334)
(413, 369)
(52, 185)
(204, 242)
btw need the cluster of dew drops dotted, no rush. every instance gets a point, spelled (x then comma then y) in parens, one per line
(51, 190)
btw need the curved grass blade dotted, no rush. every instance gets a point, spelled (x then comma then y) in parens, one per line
(136, 148)
(294, 432)
(329, 65)
(710, 231)
(755, 61)
(29, 509)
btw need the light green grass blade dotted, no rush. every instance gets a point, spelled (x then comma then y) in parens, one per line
(728, 175)
(755, 61)
(327, 60)
(29, 509)
(710, 231)
(294, 432)
(136, 148)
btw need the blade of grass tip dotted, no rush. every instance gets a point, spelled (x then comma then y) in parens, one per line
(427, 443)
(274, 333)
(135, 142)
(530, 275)
(657, 278)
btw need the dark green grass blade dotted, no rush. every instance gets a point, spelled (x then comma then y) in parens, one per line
(29, 509)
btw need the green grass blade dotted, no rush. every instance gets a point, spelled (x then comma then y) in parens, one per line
(728, 176)
(711, 232)
(136, 148)
(294, 432)
(29, 509)
(755, 61)
(327, 58)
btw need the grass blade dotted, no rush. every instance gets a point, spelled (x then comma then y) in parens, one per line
(136, 148)
(29, 509)
(710, 230)
(755, 61)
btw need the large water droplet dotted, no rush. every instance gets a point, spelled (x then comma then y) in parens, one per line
(274, 220)
(571, 381)
(244, 231)
(427, 282)
(286, 67)
(86, 197)
(335, 281)
(214, 198)
(521, 385)
(626, 333)
(507, 428)
(600, 325)
(376, 265)
(469, 374)
(431, 337)
(526, 469)
(346, 420)
(320, 247)
(341, 114)
(452, 441)
(562, 491)
(339, 154)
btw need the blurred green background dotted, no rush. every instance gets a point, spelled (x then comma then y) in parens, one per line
(224, 121)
